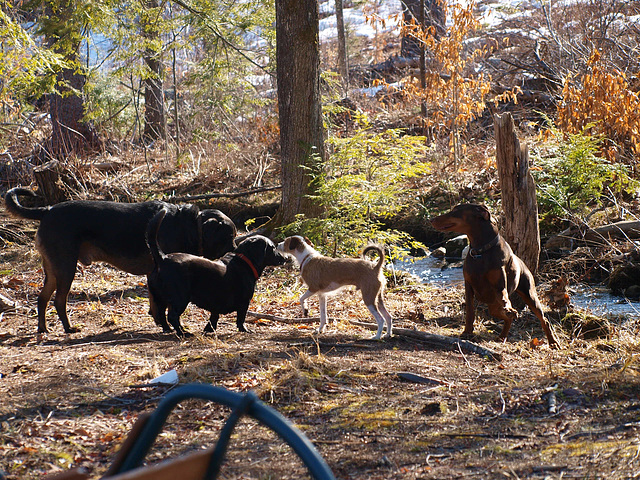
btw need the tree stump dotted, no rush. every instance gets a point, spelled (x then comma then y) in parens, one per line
(54, 182)
(518, 188)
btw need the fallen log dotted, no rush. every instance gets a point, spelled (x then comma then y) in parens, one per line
(441, 341)
(414, 378)
(625, 230)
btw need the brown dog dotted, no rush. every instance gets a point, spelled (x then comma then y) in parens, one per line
(112, 232)
(325, 274)
(491, 270)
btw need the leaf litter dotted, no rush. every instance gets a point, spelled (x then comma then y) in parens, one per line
(70, 400)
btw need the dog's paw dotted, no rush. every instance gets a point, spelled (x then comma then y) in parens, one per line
(465, 335)
(511, 313)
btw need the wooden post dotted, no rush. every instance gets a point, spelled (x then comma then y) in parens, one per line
(518, 188)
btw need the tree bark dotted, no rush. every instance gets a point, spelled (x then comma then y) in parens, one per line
(70, 133)
(423, 71)
(301, 132)
(519, 203)
(154, 111)
(343, 61)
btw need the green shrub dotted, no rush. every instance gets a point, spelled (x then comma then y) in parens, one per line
(572, 177)
(365, 181)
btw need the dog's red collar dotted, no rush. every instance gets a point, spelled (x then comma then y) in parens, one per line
(248, 262)
(476, 252)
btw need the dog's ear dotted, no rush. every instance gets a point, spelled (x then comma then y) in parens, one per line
(292, 243)
(484, 212)
(308, 242)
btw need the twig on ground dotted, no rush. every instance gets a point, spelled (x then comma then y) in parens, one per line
(208, 196)
(464, 357)
(496, 436)
(412, 377)
(7, 304)
(603, 432)
(504, 403)
(276, 318)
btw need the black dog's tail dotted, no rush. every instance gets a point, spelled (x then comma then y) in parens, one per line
(379, 251)
(152, 236)
(14, 207)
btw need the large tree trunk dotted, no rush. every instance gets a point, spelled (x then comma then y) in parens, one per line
(343, 62)
(154, 115)
(301, 132)
(518, 188)
(154, 111)
(70, 133)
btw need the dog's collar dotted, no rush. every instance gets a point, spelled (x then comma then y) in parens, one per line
(305, 260)
(477, 252)
(248, 262)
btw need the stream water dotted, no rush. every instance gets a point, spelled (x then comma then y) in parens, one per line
(596, 300)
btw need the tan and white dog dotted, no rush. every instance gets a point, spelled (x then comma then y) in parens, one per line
(325, 274)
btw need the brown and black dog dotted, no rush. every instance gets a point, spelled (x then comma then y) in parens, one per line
(492, 272)
(221, 286)
(113, 232)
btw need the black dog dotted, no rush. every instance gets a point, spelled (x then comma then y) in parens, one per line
(221, 286)
(114, 233)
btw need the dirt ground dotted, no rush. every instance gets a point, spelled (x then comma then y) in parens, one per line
(69, 400)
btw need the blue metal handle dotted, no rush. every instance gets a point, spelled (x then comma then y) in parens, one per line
(239, 403)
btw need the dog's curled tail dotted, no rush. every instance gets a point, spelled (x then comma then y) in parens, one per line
(379, 251)
(152, 236)
(14, 207)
